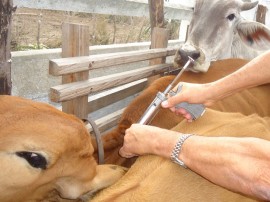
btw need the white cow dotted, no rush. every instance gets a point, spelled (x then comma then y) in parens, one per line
(217, 31)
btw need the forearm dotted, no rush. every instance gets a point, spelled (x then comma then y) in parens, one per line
(238, 164)
(254, 73)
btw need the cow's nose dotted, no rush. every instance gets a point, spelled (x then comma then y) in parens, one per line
(195, 55)
(184, 55)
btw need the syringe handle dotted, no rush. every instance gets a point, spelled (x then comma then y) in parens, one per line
(195, 110)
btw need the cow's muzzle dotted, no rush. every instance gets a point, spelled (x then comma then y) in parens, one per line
(182, 56)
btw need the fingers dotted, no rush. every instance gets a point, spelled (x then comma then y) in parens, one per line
(138, 140)
(171, 102)
(131, 143)
(174, 99)
(184, 113)
(125, 151)
(126, 154)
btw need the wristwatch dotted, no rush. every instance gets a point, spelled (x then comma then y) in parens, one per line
(177, 148)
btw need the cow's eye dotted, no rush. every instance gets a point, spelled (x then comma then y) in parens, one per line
(231, 17)
(36, 160)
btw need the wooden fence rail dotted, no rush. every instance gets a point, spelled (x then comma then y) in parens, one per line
(71, 65)
(70, 91)
(80, 95)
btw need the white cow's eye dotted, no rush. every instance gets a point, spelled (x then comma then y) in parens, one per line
(231, 17)
(36, 160)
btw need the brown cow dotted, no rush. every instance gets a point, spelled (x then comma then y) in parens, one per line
(153, 178)
(166, 119)
(46, 153)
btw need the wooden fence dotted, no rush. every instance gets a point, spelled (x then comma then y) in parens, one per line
(80, 95)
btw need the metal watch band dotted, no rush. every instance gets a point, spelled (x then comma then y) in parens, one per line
(177, 149)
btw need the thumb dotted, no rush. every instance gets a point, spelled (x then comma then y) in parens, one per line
(125, 154)
(172, 101)
(121, 152)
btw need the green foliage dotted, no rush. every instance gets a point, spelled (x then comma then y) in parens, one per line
(101, 36)
(30, 47)
(173, 27)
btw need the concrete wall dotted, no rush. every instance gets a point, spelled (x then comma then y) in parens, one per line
(112, 7)
(30, 78)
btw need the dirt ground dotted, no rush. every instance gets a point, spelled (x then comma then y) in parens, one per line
(34, 28)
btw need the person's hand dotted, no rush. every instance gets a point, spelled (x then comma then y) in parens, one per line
(144, 139)
(137, 141)
(191, 93)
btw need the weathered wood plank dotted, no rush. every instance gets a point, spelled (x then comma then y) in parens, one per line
(108, 97)
(70, 91)
(261, 13)
(159, 39)
(64, 66)
(156, 11)
(75, 42)
(107, 122)
(6, 9)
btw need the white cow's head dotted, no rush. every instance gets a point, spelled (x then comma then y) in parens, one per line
(217, 31)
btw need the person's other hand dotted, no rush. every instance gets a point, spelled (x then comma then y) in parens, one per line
(144, 139)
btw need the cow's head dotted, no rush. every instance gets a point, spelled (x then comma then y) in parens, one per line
(45, 151)
(217, 31)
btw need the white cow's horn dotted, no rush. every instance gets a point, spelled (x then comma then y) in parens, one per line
(248, 5)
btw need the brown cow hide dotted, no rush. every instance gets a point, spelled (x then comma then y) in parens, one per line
(248, 101)
(153, 178)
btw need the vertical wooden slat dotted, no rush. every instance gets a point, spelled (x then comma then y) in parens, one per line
(75, 43)
(6, 8)
(156, 11)
(159, 39)
(159, 35)
(261, 14)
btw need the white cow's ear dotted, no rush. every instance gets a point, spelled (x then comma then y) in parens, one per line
(255, 35)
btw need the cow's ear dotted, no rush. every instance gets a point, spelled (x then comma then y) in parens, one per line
(255, 35)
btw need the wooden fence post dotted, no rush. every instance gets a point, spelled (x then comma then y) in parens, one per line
(75, 43)
(159, 39)
(159, 35)
(156, 12)
(6, 9)
(261, 13)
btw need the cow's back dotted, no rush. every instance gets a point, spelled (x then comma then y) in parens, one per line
(153, 178)
(245, 102)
